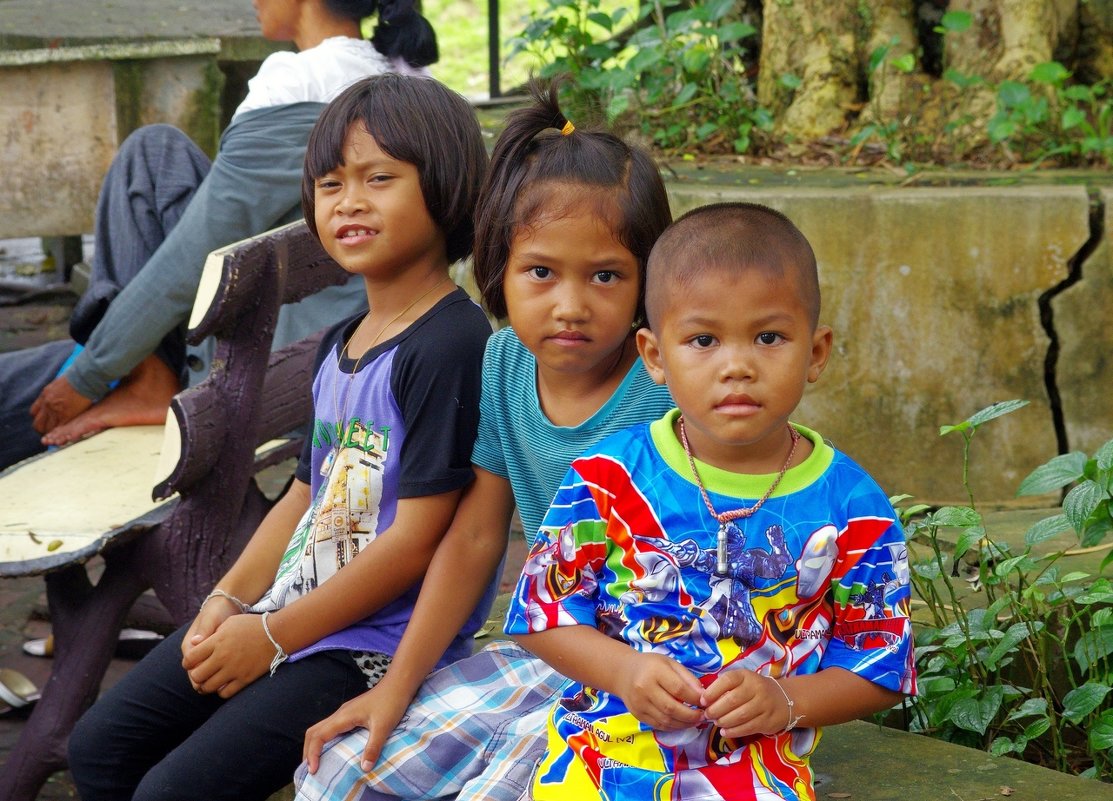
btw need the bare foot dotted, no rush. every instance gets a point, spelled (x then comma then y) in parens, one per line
(141, 399)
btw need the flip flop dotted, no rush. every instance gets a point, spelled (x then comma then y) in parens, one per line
(42, 647)
(135, 643)
(17, 691)
(132, 644)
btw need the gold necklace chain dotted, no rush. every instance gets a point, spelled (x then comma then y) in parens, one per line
(341, 409)
(734, 514)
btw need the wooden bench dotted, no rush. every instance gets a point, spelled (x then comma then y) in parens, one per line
(206, 501)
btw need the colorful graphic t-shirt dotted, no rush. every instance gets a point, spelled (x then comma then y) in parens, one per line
(400, 426)
(817, 578)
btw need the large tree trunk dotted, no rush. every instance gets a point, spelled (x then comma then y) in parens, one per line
(834, 83)
(1009, 37)
(889, 25)
(1095, 41)
(814, 41)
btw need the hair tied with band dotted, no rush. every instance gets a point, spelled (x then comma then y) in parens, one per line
(568, 128)
(394, 11)
(404, 33)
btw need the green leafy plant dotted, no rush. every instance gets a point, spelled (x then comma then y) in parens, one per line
(1015, 653)
(1045, 117)
(1088, 506)
(675, 71)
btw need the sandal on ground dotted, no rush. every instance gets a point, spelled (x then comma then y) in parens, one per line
(17, 692)
(136, 643)
(132, 644)
(42, 647)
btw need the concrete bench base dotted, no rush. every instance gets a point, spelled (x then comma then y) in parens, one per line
(864, 762)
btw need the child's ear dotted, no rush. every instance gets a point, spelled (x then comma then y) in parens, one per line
(651, 355)
(821, 351)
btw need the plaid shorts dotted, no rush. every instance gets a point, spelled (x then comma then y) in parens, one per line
(476, 730)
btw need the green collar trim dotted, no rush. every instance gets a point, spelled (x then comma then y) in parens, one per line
(724, 482)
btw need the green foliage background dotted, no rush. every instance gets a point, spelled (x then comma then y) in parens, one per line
(461, 27)
(682, 80)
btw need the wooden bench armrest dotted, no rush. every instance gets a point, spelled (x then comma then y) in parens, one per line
(238, 299)
(233, 275)
(197, 421)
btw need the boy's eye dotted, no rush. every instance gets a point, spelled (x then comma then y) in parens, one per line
(703, 340)
(768, 338)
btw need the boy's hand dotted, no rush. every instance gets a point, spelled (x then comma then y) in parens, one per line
(661, 692)
(742, 703)
(230, 658)
(378, 711)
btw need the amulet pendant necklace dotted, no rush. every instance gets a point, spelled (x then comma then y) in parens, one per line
(722, 565)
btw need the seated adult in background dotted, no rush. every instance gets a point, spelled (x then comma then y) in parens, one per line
(163, 207)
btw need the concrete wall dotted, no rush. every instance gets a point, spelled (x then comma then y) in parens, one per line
(1084, 324)
(66, 110)
(934, 297)
(57, 137)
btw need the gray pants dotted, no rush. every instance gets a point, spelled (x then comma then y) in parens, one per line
(148, 186)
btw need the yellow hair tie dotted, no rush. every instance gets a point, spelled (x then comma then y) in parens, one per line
(568, 128)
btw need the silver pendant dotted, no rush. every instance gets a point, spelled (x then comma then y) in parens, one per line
(721, 565)
(330, 458)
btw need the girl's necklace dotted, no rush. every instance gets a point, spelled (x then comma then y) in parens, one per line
(725, 518)
(341, 406)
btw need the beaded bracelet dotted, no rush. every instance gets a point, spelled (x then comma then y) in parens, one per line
(280, 654)
(793, 718)
(219, 593)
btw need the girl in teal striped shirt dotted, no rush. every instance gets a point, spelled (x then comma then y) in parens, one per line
(565, 224)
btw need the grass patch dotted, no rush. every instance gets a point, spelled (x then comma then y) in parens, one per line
(461, 27)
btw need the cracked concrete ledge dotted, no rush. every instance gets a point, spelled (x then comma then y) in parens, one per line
(934, 295)
(1084, 323)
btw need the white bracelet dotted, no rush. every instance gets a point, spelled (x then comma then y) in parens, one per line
(793, 718)
(280, 654)
(218, 593)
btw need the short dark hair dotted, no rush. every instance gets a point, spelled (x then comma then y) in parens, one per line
(731, 236)
(416, 120)
(529, 155)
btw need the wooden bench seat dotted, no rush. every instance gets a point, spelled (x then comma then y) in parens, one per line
(114, 470)
(177, 530)
(109, 477)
